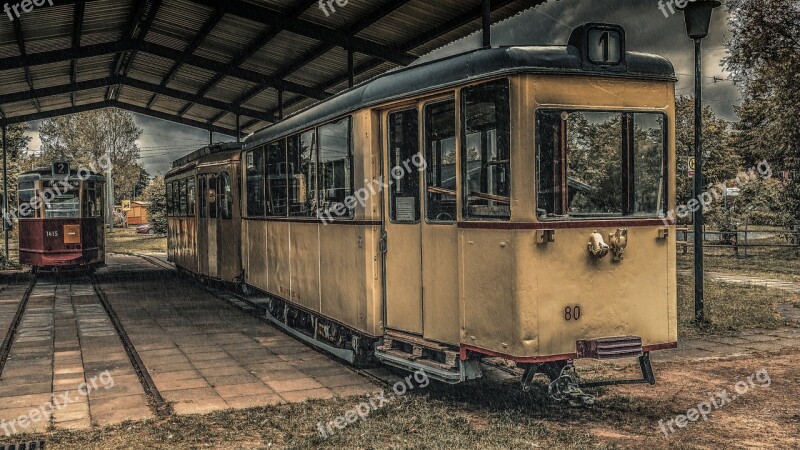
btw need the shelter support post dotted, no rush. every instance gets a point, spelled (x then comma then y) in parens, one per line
(280, 104)
(487, 23)
(5, 192)
(238, 128)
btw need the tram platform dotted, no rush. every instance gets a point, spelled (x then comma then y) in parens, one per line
(201, 353)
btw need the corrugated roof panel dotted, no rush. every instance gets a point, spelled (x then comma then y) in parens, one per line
(19, 108)
(9, 50)
(342, 17)
(168, 104)
(134, 96)
(90, 96)
(13, 81)
(230, 89)
(105, 20)
(231, 36)
(190, 79)
(150, 68)
(329, 65)
(177, 22)
(266, 100)
(50, 75)
(56, 102)
(201, 113)
(94, 68)
(282, 51)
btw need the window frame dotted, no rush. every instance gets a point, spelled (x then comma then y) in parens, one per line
(269, 211)
(390, 203)
(226, 213)
(424, 150)
(462, 150)
(351, 182)
(627, 167)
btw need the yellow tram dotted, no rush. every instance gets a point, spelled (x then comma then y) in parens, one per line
(506, 202)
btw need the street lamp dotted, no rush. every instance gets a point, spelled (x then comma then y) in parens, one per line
(698, 20)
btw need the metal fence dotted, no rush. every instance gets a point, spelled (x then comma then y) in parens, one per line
(742, 240)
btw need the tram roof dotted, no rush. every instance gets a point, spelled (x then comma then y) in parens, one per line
(459, 69)
(204, 63)
(46, 173)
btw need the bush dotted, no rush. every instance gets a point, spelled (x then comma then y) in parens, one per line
(155, 194)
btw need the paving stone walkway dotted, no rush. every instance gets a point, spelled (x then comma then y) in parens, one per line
(205, 355)
(64, 340)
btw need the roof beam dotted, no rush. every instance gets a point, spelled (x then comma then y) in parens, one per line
(137, 84)
(56, 56)
(373, 17)
(36, 59)
(56, 113)
(21, 44)
(253, 48)
(202, 34)
(77, 31)
(138, 27)
(172, 118)
(236, 72)
(312, 30)
(116, 104)
(459, 21)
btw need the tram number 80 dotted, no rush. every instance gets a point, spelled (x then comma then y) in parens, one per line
(572, 313)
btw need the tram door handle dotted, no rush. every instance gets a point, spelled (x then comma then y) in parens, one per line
(383, 245)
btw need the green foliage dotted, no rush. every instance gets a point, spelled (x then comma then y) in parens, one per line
(89, 139)
(155, 194)
(764, 55)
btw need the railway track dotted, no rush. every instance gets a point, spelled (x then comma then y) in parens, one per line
(5, 349)
(157, 402)
(159, 405)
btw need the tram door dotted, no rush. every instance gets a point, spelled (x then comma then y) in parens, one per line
(202, 225)
(421, 231)
(212, 225)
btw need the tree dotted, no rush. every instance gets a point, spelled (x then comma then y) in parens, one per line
(141, 184)
(764, 55)
(92, 139)
(17, 157)
(155, 194)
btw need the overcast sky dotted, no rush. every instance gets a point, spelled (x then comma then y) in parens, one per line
(647, 31)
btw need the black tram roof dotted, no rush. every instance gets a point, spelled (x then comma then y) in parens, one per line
(460, 69)
(46, 173)
(205, 152)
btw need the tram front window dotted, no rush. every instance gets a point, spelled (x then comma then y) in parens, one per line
(62, 206)
(600, 164)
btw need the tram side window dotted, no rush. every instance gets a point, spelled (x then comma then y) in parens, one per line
(170, 212)
(91, 203)
(486, 151)
(225, 197)
(335, 169)
(255, 183)
(302, 157)
(27, 196)
(277, 192)
(191, 197)
(404, 145)
(176, 198)
(213, 197)
(203, 195)
(182, 198)
(440, 154)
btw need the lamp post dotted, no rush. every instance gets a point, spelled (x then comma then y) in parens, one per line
(698, 20)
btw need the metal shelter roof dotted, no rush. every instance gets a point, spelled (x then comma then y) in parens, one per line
(209, 63)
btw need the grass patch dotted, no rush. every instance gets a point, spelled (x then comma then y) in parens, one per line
(127, 241)
(730, 308)
(476, 416)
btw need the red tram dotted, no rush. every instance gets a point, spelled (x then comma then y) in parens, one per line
(61, 219)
